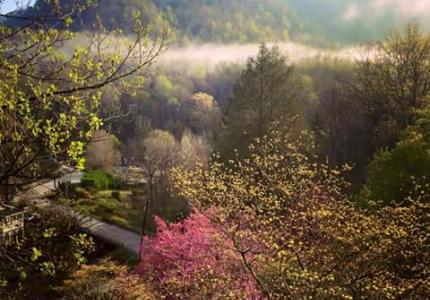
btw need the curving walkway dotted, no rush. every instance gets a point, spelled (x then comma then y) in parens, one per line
(111, 233)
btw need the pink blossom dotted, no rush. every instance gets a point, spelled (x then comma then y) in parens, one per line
(181, 251)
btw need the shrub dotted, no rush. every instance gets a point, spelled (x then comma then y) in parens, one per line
(107, 205)
(98, 180)
(117, 182)
(80, 192)
(393, 176)
(106, 280)
(116, 195)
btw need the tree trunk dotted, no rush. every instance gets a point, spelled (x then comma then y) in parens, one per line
(145, 214)
(4, 192)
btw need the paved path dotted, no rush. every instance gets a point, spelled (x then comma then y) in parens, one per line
(111, 233)
(108, 232)
(73, 178)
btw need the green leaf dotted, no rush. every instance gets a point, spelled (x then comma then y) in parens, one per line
(36, 253)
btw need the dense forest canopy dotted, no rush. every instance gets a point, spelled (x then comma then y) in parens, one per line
(323, 22)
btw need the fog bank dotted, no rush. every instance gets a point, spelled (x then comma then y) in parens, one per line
(213, 54)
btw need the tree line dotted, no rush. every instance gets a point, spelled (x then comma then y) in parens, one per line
(243, 21)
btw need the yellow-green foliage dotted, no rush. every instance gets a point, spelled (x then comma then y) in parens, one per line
(396, 175)
(393, 82)
(105, 280)
(49, 97)
(36, 114)
(298, 234)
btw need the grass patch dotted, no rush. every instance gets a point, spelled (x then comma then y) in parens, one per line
(125, 208)
(120, 208)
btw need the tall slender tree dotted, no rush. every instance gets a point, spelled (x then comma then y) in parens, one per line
(264, 96)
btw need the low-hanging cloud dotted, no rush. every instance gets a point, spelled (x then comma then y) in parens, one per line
(210, 55)
(213, 54)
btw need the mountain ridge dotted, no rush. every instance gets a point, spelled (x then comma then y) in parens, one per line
(322, 22)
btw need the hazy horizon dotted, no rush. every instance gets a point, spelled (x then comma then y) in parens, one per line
(320, 22)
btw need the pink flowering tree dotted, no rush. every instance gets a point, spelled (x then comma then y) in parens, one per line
(195, 259)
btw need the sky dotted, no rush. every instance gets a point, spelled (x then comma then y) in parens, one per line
(11, 5)
(405, 8)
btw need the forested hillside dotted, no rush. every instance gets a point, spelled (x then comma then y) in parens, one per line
(323, 22)
(199, 20)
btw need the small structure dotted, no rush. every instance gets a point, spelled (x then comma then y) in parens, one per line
(11, 223)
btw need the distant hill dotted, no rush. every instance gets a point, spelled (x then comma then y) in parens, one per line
(241, 21)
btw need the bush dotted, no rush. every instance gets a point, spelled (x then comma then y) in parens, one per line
(117, 183)
(106, 280)
(107, 205)
(80, 192)
(98, 180)
(116, 195)
(395, 175)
